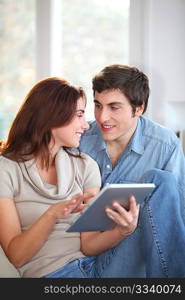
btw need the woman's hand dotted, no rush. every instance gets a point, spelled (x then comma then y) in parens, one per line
(63, 209)
(126, 220)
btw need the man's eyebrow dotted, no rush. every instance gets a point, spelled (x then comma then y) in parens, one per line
(111, 103)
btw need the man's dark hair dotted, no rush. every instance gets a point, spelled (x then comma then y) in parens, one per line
(129, 80)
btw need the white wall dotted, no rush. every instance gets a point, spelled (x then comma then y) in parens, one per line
(157, 45)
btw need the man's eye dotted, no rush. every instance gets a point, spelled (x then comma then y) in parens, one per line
(97, 106)
(80, 115)
(114, 107)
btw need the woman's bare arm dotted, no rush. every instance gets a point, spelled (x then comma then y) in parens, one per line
(20, 246)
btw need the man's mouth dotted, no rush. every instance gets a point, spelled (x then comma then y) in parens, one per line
(107, 127)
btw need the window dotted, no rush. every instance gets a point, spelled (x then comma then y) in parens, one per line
(17, 51)
(73, 39)
(94, 34)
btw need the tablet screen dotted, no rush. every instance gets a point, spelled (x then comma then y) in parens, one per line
(94, 217)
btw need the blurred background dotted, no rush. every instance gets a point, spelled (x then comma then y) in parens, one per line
(75, 39)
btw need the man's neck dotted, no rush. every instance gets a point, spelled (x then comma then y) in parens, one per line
(115, 151)
(116, 147)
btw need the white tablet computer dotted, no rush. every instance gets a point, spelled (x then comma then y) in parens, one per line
(94, 218)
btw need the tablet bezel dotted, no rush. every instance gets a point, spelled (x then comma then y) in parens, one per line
(94, 218)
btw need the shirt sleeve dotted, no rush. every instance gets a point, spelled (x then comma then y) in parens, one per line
(92, 177)
(176, 165)
(6, 180)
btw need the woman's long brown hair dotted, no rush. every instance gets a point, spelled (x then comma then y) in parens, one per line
(50, 103)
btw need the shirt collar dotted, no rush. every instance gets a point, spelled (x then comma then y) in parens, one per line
(137, 142)
(100, 144)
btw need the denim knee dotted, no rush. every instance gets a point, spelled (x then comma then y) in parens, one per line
(158, 176)
(167, 192)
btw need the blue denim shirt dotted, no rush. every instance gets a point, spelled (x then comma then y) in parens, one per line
(151, 146)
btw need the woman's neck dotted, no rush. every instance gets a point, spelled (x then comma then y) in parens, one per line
(49, 174)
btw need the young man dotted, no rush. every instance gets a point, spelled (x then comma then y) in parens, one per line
(124, 143)
(129, 147)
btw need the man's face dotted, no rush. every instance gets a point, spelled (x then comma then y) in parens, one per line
(114, 115)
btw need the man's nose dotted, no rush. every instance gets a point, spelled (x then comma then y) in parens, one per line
(104, 115)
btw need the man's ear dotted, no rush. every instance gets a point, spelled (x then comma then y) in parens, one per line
(139, 110)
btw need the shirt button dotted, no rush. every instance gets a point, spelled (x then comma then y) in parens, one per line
(108, 166)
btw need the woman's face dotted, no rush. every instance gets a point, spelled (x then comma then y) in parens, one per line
(69, 135)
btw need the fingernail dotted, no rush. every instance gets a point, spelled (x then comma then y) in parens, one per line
(110, 216)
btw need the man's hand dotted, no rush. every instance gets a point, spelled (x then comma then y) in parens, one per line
(126, 220)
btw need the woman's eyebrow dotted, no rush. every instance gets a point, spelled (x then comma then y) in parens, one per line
(80, 110)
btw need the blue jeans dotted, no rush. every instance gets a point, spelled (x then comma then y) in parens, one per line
(155, 249)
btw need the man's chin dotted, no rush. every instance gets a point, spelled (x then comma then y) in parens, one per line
(107, 137)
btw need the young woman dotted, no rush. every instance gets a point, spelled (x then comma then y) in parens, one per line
(43, 185)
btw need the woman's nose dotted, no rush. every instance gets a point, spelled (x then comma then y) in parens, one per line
(85, 125)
